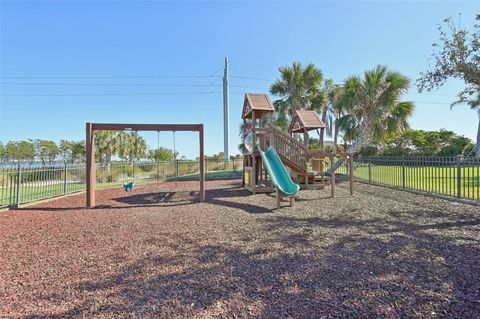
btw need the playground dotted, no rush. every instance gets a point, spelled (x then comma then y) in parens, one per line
(159, 252)
(287, 238)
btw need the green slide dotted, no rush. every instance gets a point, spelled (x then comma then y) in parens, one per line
(278, 173)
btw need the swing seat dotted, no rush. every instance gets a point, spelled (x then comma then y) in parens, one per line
(128, 186)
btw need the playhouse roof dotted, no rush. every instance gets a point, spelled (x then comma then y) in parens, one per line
(259, 103)
(305, 120)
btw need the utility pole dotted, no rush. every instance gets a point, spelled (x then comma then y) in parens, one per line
(225, 112)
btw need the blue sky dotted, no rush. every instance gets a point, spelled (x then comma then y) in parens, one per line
(85, 41)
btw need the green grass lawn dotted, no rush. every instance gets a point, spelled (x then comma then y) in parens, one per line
(441, 180)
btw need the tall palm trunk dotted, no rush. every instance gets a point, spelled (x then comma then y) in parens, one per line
(362, 139)
(108, 158)
(322, 130)
(335, 140)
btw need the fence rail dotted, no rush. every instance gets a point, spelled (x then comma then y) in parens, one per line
(29, 182)
(449, 176)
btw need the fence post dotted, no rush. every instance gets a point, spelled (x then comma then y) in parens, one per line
(157, 172)
(350, 171)
(403, 172)
(176, 169)
(369, 169)
(459, 176)
(19, 185)
(163, 169)
(65, 179)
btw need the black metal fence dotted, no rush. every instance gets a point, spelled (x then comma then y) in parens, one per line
(28, 182)
(449, 176)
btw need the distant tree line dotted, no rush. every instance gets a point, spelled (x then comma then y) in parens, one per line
(127, 146)
(45, 151)
(422, 143)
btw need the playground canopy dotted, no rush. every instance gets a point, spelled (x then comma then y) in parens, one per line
(259, 104)
(305, 120)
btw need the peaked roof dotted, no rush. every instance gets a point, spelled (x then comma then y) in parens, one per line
(305, 120)
(259, 103)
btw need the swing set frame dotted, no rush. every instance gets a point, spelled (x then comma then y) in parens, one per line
(90, 139)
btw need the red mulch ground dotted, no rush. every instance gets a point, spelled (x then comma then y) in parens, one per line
(156, 252)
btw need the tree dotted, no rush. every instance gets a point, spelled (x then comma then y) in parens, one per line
(161, 155)
(458, 57)
(124, 145)
(296, 88)
(65, 150)
(474, 104)
(3, 153)
(20, 151)
(45, 150)
(427, 143)
(245, 127)
(106, 144)
(373, 106)
(338, 111)
(78, 151)
(136, 147)
(322, 104)
(72, 151)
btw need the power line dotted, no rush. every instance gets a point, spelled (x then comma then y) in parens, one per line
(110, 77)
(111, 94)
(249, 87)
(251, 78)
(220, 68)
(130, 84)
(106, 84)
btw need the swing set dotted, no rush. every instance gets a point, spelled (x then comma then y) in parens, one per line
(129, 186)
(90, 160)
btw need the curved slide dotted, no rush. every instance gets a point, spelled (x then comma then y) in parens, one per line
(279, 175)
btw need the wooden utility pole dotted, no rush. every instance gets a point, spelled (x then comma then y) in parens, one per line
(225, 112)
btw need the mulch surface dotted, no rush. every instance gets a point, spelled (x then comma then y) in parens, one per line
(158, 253)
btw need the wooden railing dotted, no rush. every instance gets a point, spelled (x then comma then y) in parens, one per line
(287, 147)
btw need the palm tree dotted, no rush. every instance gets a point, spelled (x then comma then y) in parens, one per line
(124, 145)
(139, 149)
(296, 88)
(373, 106)
(244, 126)
(323, 104)
(106, 145)
(134, 147)
(474, 105)
(338, 111)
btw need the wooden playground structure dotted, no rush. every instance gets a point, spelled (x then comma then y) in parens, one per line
(307, 166)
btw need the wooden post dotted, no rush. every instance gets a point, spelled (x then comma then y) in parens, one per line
(305, 136)
(243, 171)
(332, 177)
(277, 193)
(90, 161)
(202, 162)
(350, 170)
(254, 164)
